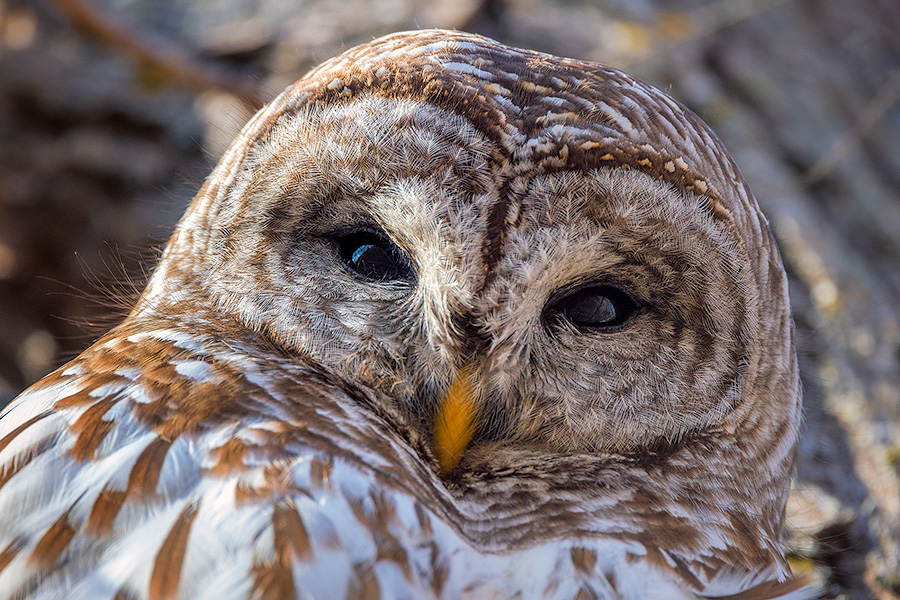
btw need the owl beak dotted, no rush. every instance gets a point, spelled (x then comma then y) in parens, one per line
(455, 421)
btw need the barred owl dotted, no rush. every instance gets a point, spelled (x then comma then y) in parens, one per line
(449, 319)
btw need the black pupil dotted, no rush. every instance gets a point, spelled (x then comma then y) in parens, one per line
(595, 307)
(373, 256)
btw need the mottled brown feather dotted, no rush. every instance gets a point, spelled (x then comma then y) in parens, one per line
(229, 457)
(9, 553)
(166, 575)
(585, 593)
(23, 460)
(272, 581)
(772, 589)
(52, 543)
(320, 471)
(125, 595)
(144, 475)
(583, 559)
(291, 537)
(364, 585)
(104, 511)
(15, 432)
(90, 429)
(142, 481)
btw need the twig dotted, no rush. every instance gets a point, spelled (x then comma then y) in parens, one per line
(888, 95)
(166, 58)
(695, 24)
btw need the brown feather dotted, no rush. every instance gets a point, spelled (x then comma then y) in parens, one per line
(53, 543)
(166, 574)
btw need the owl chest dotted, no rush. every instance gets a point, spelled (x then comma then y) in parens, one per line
(229, 513)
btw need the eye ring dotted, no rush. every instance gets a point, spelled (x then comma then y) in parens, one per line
(373, 256)
(591, 307)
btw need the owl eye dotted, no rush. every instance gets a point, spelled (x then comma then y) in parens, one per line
(594, 307)
(374, 257)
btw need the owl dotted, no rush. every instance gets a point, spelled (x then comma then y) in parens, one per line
(449, 319)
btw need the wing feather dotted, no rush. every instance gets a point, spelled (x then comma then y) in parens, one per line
(137, 485)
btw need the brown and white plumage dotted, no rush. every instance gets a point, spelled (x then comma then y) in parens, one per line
(263, 423)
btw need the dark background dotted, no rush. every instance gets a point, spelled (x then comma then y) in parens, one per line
(113, 112)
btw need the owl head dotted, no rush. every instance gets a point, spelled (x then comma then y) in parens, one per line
(571, 248)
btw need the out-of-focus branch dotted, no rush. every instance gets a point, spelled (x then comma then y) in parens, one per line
(888, 95)
(171, 62)
(672, 29)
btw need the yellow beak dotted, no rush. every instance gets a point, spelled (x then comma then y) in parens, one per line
(455, 421)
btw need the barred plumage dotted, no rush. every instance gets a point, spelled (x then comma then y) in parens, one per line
(429, 208)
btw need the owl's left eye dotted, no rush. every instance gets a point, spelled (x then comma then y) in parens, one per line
(593, 307)
(374, 257)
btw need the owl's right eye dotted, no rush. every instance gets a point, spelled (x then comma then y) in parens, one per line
(374, 257)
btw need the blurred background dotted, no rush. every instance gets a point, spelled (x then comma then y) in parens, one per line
(112, 112)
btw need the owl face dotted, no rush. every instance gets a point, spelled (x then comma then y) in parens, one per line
(571, 244)
(603, 313)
